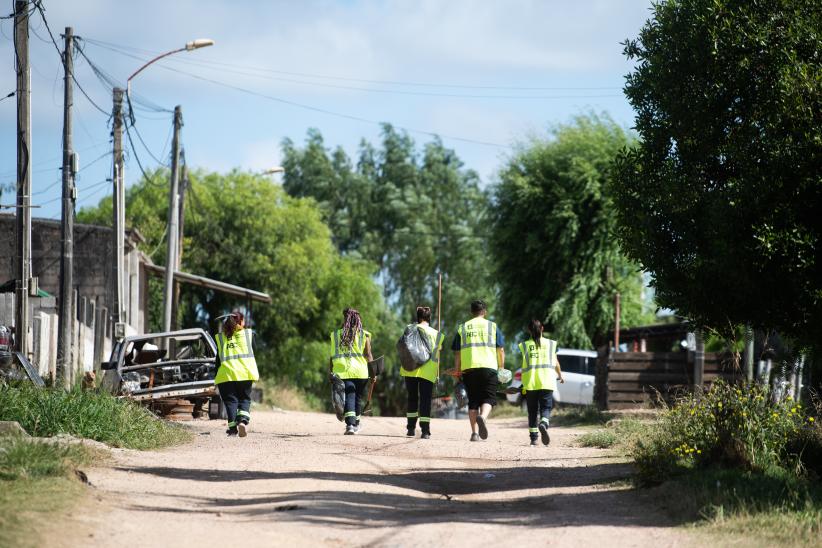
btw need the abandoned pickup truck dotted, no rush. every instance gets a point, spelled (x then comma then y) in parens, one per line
(164, 370)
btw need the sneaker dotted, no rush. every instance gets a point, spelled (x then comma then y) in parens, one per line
(242, 429)
(231, 432)
(483, 429)
(410, 432)
(358, 427)
(350, 430)
(534, 442)
(425, 436)
(543, 432)
(474, 437)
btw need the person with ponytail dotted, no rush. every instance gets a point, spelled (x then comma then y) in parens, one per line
(540, 373)
(420, 381)
(350, 354)
(236, 371)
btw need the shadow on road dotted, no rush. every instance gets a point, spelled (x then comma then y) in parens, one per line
(456, 481)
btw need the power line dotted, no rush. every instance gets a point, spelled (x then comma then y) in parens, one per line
(38, 5)
(116, 47)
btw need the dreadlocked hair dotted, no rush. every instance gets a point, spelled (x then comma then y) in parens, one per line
(352, 324)
(535, 329)
(232, 323)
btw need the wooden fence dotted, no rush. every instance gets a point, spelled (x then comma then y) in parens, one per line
(627, 380)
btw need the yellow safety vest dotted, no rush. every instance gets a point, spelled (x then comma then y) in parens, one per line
(478, 344)
(349, 362)
(429, 369)
(237, 361)
(539, 370)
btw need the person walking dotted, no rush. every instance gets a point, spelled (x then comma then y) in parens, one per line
(350, 354)
(236, 372)
(420, 382)
(540, 373)
(479, 350)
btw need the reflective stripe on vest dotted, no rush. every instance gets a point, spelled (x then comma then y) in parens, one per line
(538, 366)
(478, 344)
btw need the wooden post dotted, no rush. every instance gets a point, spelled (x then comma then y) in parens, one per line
(699, 362)
(616, 322)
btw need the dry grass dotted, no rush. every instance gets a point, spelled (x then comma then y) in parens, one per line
(285, 396)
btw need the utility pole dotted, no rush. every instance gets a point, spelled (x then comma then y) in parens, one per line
(23, 225)
(118, 210)
(617, 315)
(173, 212)
(181, 231)
(64, 333)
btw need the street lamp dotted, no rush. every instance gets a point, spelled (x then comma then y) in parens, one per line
(194, 44)
(119, 192)
(274, 170)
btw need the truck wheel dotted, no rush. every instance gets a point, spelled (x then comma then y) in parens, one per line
(216, 409)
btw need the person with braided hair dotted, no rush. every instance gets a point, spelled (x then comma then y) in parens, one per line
(350, 354)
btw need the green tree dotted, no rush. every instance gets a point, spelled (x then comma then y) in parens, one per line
(722, 197)
(243, 230)
(411, 214)
(553, 230)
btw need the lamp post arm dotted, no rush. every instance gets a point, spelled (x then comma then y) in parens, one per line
(166, 54)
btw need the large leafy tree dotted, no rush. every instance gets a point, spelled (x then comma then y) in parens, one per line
(721, 200)
(412, 214)
(554, 235)
(244, 230)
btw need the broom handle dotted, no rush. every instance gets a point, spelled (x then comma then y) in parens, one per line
(439, 322)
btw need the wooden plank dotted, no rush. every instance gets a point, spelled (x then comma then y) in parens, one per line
(646, 356)
(680, 366)
(651, 377)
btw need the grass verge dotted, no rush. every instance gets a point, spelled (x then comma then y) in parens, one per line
(285, 396)
(37, 479)
(587, 415)
(86, 414)
(617, 433)
(737, 507)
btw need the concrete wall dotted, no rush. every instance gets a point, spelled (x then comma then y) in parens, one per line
(92, 263)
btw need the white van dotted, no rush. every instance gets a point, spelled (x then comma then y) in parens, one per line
(578, 368)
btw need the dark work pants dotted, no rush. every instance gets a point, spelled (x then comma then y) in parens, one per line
(419, 402)
(354, 389)
(236, 396)
(539, 403)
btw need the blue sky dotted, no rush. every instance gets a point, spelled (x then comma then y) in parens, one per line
(490, 71)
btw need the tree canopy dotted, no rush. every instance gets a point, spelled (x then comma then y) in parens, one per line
(721, 198)
(553, 231)
(244, 230)
(413, 214)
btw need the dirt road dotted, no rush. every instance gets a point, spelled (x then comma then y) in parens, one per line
(297, 481)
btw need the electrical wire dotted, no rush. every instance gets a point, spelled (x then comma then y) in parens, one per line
(116, 47)
(38, 5)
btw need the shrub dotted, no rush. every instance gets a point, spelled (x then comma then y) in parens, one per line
(727, 426)
(86, 414)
